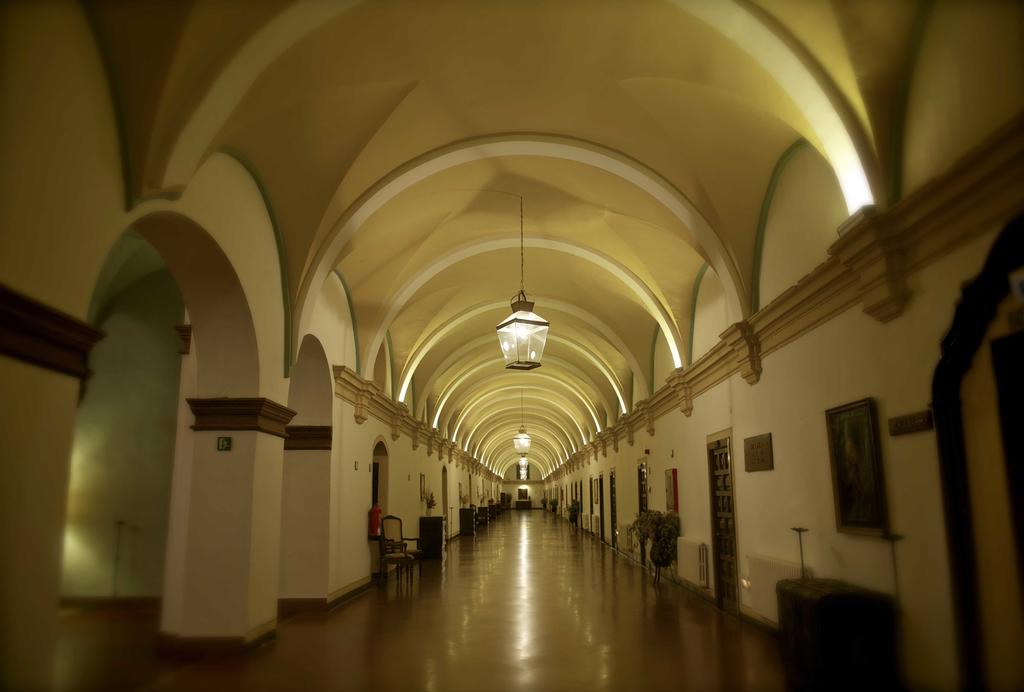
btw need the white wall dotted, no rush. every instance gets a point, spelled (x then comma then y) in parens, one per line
(806, 210)
(847, 358)
(710, 317)
(124, 446)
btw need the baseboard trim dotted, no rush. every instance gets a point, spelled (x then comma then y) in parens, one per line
(349, 592)
(111, 602)
(287, 607)
(176, 646)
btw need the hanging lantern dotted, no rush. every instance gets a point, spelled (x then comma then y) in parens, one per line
(522, 462)
(522, 442)
(522, 334)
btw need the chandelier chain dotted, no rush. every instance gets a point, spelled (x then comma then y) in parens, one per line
(522, 250)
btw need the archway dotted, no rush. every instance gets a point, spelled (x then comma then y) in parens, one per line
(123, 450)
(206, 381)
(379, 487)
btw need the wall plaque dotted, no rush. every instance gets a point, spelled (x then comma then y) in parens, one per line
(911, 423)
(757, 453)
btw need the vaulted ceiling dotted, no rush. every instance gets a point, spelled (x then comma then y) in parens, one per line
(393, 141)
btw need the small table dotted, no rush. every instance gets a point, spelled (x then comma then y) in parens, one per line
(432, 537)
(524, 504)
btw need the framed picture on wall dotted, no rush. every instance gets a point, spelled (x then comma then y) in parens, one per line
(858, 482)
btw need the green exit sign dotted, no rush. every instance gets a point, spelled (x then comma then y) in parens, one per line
(223, 444)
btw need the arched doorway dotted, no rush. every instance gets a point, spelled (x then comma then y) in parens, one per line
(175, 526)
(379, 486)
(123, 450)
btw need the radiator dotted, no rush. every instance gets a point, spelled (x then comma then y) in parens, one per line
(626, 539)
(595, 523)
(586, 522)
(692, 561)
(765, 573)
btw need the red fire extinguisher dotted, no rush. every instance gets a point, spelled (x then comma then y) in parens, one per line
(374, 521)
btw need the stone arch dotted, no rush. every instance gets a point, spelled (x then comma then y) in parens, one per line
(221, 321)
(380, 470)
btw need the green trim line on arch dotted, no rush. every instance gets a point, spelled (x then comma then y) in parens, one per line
(117, 105)
(352, 318)
(654, 349)
(282, 254)
(391, 365)
(693, 311)
(899, 111)
(762, 220)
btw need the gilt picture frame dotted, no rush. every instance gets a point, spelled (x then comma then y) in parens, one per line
(858, 479)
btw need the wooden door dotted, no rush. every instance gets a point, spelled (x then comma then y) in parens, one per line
(641, 487)
(614, 518)
(723, 526)
(444, 493)
(600, 504)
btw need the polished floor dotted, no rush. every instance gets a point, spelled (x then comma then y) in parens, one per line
(527, 604)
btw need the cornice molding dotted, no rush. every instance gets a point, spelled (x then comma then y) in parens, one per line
(255, 413)
(38, 334)
(869, 264)
(308, 437)
(369, 401)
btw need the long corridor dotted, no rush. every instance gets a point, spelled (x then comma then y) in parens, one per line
(529, 603)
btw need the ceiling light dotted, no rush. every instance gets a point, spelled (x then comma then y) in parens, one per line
(522, 440)
(522, 334)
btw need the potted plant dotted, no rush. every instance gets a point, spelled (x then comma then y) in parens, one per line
(464, 500)
(554, 505)
(544, 503)
(643, 529)
(574, 512)
(664, 532)
(430, 501)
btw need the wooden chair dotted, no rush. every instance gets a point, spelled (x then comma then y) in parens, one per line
(395, 550)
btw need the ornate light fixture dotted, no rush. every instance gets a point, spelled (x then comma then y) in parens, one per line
(522, 334)
(522, 440)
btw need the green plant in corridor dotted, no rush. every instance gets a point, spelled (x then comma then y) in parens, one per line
(664, 532)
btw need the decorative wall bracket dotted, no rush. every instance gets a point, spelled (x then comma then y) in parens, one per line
(746, 350)
(870, 248)
(683, 390)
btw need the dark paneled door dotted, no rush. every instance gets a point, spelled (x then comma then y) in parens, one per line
(723, 523)
(614, 518)
(600, 504)
(641, 487)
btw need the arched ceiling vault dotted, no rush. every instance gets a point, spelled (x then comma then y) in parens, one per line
(432, 339)
(487, 377)
(390, 141)
(498, 444)
(546, 416)
(486, 361)
(544, 404)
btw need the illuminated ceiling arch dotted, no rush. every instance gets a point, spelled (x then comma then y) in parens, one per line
(708, 242)
(479, 384)
(497, 443)
(485, 360)
(557, 420)
(429, 341)
(461, 355)
(641, 291)
(501, 431)
(549, 400)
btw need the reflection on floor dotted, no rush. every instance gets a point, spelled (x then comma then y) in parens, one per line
(528, 604)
